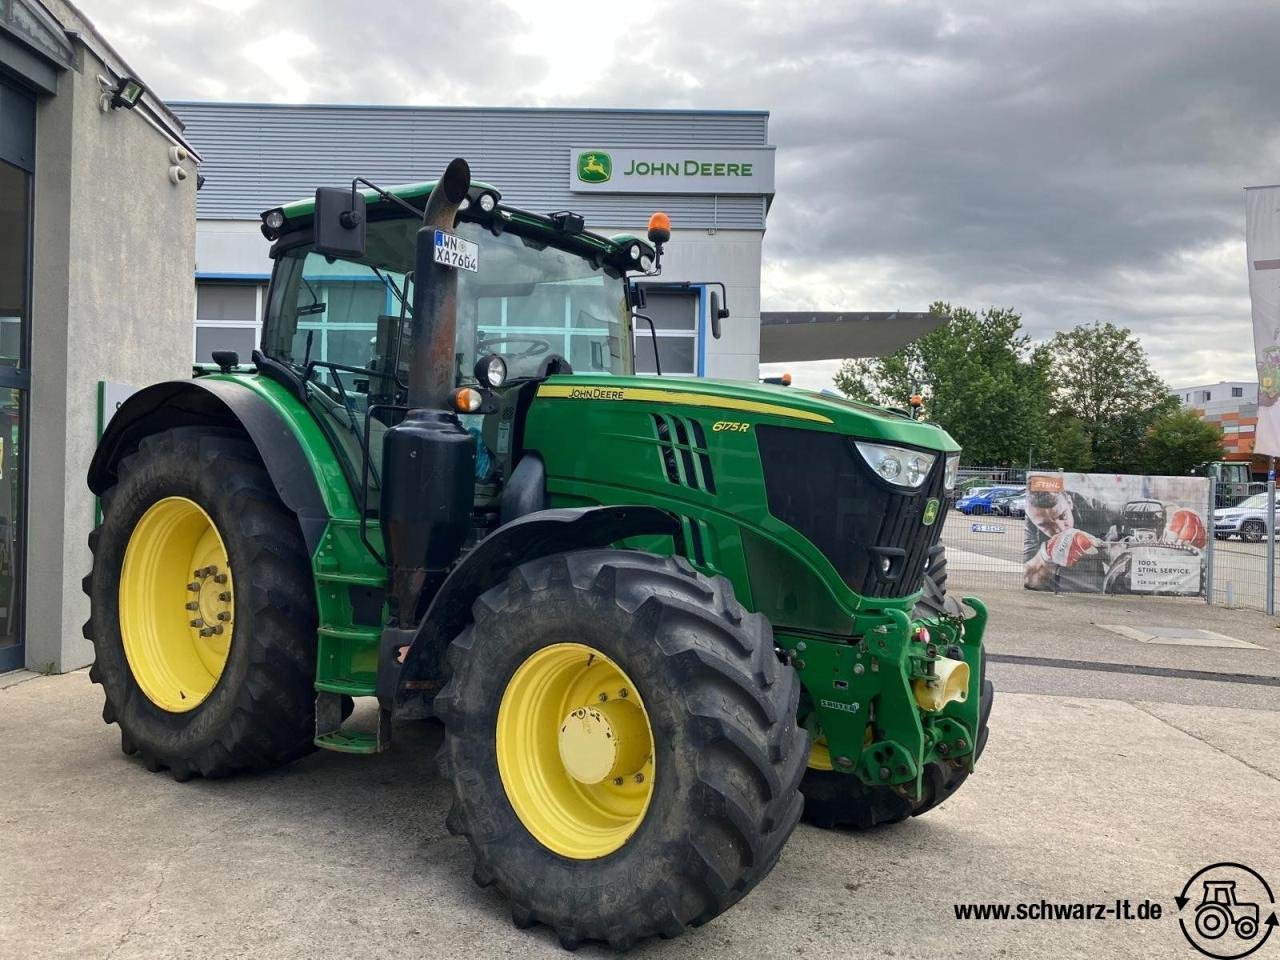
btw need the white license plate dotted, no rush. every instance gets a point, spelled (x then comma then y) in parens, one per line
(453, 251)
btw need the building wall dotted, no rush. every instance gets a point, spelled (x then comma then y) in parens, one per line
(1232, 405)
(112, 300)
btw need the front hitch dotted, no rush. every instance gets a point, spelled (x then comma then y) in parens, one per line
(902, 696)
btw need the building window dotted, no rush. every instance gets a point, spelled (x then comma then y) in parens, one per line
(675, 321)
(1237, 391)
(228, 317)
(1205, 396)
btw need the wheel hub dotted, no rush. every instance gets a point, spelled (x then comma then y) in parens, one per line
(604, 742)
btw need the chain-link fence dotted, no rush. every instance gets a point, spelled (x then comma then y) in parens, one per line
(988, 547)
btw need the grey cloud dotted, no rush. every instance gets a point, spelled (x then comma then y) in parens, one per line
(1076, 161)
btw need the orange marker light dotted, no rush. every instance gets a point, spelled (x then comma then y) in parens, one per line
(917, 400)
(659, 228)
(786, 379)
(466, 400)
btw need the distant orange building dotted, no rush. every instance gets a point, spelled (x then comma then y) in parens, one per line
(1233, 405)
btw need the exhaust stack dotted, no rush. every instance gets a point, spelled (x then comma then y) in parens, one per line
(428, 459)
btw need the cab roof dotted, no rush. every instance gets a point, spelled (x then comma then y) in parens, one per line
(298, 215)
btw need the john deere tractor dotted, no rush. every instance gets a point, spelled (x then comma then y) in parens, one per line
(658, 618)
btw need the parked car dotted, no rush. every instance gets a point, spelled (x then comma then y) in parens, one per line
(982, 499)
(1246, 520)
(1010, 504)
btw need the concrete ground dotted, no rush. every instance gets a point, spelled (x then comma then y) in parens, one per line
(1095, 786)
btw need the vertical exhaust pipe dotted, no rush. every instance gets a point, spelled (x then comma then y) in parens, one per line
(428, 459)
(435, 296)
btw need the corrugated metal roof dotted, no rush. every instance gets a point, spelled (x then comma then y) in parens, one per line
(259, 155)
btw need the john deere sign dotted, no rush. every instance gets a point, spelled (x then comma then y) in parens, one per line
(670, 170)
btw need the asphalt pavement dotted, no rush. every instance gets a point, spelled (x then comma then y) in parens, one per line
(1111, 773)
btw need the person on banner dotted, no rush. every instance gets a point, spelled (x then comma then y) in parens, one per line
(1071, 540)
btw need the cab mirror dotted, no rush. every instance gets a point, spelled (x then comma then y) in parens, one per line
(340, 222)
(717, 311)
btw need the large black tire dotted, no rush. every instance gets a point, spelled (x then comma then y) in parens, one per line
(834, 799)
(1253, 531)
(261, 713)
(722, 707)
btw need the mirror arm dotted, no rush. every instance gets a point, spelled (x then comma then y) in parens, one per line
(389, 197)
(653, 331)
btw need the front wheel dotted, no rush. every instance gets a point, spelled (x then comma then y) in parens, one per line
(1253, 531)
(622, 744)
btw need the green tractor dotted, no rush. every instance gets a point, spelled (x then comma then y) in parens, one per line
(658, 618)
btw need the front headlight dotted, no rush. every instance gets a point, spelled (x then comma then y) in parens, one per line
(951, 472)
(901, 467)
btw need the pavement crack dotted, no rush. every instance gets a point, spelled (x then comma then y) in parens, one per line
(1213, 746)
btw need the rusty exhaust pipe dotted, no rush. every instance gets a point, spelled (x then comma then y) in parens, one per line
(435, 296)
(428, 459)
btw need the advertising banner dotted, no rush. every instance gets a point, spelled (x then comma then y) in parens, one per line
(1109, 533)
(1262, 248)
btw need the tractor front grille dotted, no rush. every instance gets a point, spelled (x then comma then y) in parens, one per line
(817, 483)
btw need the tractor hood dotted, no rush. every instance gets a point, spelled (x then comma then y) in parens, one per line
(739, 400)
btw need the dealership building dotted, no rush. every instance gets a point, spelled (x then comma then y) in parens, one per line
(711, 171)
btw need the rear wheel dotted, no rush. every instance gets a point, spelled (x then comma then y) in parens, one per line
(202, 614)
(622, 743)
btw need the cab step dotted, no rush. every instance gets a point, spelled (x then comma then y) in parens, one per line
(330, 734)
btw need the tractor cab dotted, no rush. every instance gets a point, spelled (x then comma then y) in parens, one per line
(535, 296)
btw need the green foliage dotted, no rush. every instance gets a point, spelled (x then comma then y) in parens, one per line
(1070, 446)
(1100, 375)
(979, 377)
(1178, 441)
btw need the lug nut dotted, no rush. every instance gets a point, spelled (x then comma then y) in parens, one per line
(225, 596)
(197, 622)
(943, 749)
(220, 578)
(604, 698)
(217, 629)
(639, 778)
(223, 615)
(193, 586)
(617, 781)
(623, 693)
(193, 604)
(206, 632)
(960, 744)
(884, 773)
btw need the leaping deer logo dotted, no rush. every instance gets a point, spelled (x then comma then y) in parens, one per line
(594, 167)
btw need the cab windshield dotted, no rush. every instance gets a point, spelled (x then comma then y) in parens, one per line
(527, 301)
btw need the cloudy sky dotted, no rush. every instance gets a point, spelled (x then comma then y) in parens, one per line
(1076, 161)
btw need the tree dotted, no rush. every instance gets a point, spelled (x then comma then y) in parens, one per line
(979, 377)
(1178, 441)
(1070, 446)
(1101, 376)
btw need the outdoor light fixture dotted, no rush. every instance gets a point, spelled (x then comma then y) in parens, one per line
(126, 93)
(898, 465)
(487, 202)
(491, 370)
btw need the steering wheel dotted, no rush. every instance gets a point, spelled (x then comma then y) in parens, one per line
(536, 347)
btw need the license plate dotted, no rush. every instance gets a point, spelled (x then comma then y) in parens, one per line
(453, 251)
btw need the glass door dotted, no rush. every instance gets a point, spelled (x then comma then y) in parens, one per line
(17, 136)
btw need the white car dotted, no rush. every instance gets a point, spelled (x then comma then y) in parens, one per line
(1246, 520)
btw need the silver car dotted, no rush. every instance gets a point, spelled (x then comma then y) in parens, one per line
(1246, 520)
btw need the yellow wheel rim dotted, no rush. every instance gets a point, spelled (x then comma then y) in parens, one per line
(575, 751)
(820, 755)
(176, 604)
